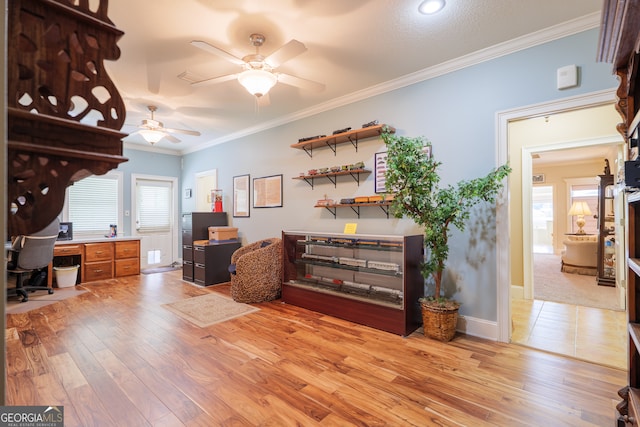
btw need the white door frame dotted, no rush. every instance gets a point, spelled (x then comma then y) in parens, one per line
(503, 257)
(175, 219)
(201, 191)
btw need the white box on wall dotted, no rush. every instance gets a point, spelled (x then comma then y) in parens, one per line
(567, 76)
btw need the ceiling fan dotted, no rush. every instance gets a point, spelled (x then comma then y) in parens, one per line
(258, 75)
(153, 131)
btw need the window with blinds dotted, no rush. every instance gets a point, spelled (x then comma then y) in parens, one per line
(585, 193)
(93, 205)
(153, 206)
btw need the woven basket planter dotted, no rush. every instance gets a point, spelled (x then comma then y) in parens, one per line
(439, 322)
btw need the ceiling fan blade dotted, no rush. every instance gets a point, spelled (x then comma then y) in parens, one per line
(171, 138)
(183, 131)
(217, 51)
(214, 80)
(264, 100)
(285, 53)
(300, 82)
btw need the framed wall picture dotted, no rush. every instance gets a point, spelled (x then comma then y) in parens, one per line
(267, 192)
(241, 196)
(380, 170)
(538, 178)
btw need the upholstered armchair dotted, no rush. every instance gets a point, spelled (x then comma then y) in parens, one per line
(580, 255)
(256, 271)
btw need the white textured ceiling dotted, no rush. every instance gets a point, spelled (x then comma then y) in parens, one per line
(354, 47)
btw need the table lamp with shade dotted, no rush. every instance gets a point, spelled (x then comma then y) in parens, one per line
(580, 209)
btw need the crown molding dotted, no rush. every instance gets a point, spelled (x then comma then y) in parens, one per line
(555, 32)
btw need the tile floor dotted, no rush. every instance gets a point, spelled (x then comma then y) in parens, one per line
(586, 333)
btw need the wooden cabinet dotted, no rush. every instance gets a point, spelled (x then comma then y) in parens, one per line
(619, 41)
(374, 280)
(101, 260)
(98, 261)
(211, 262)
(127, 258)
(606, 230)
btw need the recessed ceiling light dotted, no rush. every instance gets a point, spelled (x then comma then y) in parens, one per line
(428, 7)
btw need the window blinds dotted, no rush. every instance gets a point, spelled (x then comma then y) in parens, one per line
(153, 206)
(93, 204)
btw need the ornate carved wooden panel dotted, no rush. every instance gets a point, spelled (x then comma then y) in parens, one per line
(64, 112)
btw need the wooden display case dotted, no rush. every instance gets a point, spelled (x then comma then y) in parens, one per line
(374, 280)
(606, 229)
(619, 41)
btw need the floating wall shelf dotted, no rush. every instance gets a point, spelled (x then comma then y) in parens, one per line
(352, 136)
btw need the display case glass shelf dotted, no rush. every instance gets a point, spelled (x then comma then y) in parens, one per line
(370, 279)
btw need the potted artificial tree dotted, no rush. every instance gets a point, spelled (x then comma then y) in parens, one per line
(412, 177)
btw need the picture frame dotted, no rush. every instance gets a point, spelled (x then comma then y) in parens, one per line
(267, 192)
(380, 168)
(538, 178)
(241, 196)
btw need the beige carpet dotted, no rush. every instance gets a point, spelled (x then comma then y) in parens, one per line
(550, 284)
(39, 299)
(207, 310)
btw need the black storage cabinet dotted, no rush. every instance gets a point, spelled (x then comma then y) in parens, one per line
(211, 262)
(195, 226)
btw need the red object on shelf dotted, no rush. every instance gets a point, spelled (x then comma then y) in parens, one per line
(217, 206)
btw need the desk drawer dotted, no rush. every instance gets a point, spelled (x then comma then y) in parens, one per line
(65, 250)
(98, 252)
(127, 267)
(128, 249)
(98, 271)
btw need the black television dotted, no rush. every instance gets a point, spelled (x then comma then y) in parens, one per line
(66, 231)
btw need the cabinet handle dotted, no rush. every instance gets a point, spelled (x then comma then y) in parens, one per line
(98, 252)
(97, 271)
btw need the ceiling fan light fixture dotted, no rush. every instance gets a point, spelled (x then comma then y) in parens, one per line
(257, 82)
(151, 136)
(429, 7)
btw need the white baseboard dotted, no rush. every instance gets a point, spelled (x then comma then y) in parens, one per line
(478, 327)
(484, 328)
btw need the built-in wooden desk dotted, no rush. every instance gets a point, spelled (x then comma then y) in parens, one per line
(102, 258)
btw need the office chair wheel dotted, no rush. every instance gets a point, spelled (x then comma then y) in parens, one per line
(50, 291)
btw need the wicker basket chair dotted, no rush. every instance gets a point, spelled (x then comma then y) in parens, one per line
(256, 271)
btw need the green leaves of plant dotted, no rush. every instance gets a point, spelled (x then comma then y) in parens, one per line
(413, 177)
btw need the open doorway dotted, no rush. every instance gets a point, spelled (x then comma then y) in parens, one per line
(516, 249)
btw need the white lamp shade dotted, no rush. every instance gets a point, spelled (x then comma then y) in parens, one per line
(580, 208)
(151, 136)
(257, 82)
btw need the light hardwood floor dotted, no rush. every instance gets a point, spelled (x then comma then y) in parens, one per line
(115, 356)
(592, 334)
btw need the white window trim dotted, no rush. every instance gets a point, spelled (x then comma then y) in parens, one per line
(577, 181)
(119, 176)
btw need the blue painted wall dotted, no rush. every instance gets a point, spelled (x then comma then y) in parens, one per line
(457, 112)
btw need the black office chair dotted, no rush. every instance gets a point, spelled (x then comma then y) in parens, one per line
(31, 255)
